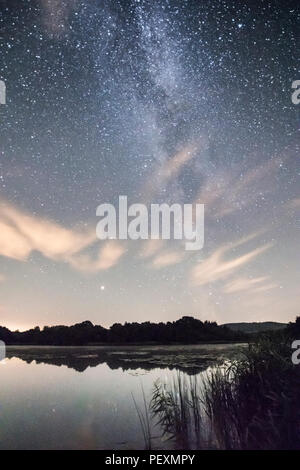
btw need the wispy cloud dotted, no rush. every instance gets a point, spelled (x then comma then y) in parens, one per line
(244, 284)
(265, 287)
(227, 192)
(168, 258)
(108, 257)
(21, 234)
(168, 171)
(294, 204)
(216, 267)
(173, 166)
(151, 247)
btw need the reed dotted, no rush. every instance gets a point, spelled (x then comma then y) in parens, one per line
(144, 419)
(250, 403)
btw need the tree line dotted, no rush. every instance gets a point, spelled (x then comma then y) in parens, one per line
(185, 330)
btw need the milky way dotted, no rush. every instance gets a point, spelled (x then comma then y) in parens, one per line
(102, 97)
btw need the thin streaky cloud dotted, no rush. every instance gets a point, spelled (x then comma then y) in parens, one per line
(215, 267)
(167, 259)
(167, 171)
(108, 256)
(151, 247)
(226, 193)
(293, 204)
(265, 288)
(243, 284)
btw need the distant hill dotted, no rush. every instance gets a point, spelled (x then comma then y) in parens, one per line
(254, 327)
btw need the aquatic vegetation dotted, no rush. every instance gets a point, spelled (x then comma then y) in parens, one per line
(144, 419)
(252, 402)
(177, 410)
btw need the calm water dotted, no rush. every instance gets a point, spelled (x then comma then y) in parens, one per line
(81, 398)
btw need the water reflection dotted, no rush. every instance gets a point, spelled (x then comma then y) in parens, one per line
(190, 359)
(81, 398)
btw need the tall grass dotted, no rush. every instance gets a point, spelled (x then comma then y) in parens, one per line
(252, 403)
(144, 420)
(177, 410)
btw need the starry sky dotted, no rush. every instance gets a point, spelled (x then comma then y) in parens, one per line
(163, 101)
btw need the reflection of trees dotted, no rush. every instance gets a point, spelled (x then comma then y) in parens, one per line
(190, 361)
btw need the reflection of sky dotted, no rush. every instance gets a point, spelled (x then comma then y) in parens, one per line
(176, 102)
(57, 407)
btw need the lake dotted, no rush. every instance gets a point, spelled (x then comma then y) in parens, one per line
(83, 397)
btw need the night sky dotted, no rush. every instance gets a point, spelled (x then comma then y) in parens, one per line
(162, 101)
